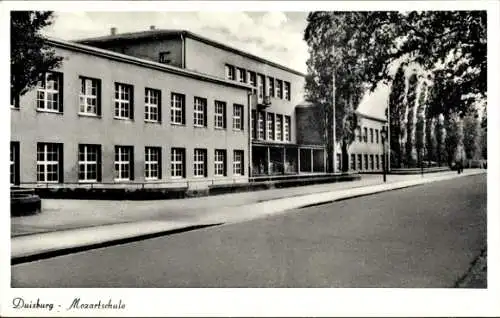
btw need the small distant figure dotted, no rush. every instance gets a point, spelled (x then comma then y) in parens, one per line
(460, 166)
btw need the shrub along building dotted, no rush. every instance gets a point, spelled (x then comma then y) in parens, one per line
(161, 108)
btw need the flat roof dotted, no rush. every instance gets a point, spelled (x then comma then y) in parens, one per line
(144, 63)
(165, 33)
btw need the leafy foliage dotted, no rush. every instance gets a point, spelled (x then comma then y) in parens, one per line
(472, 135)
(410, 121)
(30, 54)
(397, 111)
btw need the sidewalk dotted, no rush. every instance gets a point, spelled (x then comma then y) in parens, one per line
(72, 223)
(71, 214)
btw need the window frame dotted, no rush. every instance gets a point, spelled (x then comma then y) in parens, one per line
(85, 96)
(123, 104)
(200, 163)
(177, 108)
(287, 128)
(241, 75)
(220, 164)
(270, 129)
(230, 72)
(41, 87)
(238, 163)
(261, 125)
(149, 163)
(254, 75)
(177, 165)
(58, 163)
(279, 89)
(199, 115)
(270, 87)
(220, 118)
(261, 86)
(148, 105)
(287, 90)
(123, 150)
(86, 162)
(14, 163)
(279, 128)
(238, 118)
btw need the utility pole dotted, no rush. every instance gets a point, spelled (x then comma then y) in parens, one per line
(334, 161)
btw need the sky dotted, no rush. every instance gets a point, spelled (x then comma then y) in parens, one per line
(276, 36)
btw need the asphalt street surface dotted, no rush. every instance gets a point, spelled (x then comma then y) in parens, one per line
(424, 236)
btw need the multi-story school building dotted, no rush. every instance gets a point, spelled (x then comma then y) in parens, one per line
(162, 108)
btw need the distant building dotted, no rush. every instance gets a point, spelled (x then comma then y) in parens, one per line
(163, 108)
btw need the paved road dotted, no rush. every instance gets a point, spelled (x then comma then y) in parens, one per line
(424, 236)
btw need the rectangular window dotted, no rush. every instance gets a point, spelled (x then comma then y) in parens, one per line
(279, 127)
(124, 163)
(230, 72)
(360, 162)
(220, 115)
(270, 86)
(89, 163)
(366, 162)
(152, 105)
(376, 136)
(90, 99)
(252, 78)
(152, 163)
(200, 112)
(238, 166)
(288, 124)
(353, 162)
(279, 88)
(261, 83)
(164, 57)
(124, 101)
(371, 135)
(177, 161)
(339, 162)
(242, 76)
(254, 128)
(49, 162)
(14, 162)
(177, 109)
(238, 117)
(287, 90)
(200, 163)
(365, 134)
(372, 163)
(270, 126)
(377, 162)
(220, 163)
(49, 92)
(261, 125)
(360, 136)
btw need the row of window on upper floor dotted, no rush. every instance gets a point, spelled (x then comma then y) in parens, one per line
(271, 126)
(266, 85)
(363, 137)
(49, 163)
(49, 98)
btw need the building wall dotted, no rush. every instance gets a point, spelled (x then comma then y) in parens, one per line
(308, 129)
(30, 126)
(208, 59)
(149, 49)
(367, 148)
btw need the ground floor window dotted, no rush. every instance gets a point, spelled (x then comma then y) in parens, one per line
(371, 162)
(360, 162)
(353, 162)
(339, 161)
(49, 162)
(220, 163)
(124, 158)
(152, 163)
(89, 163)
(366, 162)
(200, 163)
(178, 162)
(377, 162)
(238, 167)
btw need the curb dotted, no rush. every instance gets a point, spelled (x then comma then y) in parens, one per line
(105, 243)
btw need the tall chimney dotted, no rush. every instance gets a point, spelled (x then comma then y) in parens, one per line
(152, 27)
(113, 31)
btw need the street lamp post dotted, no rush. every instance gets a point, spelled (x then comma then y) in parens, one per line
(383, 134)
